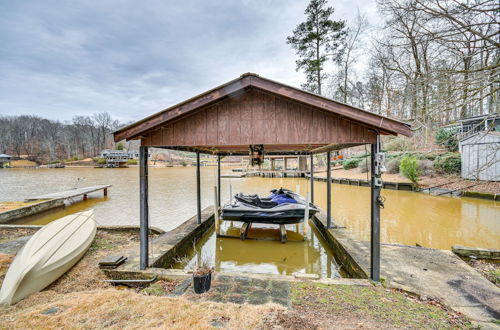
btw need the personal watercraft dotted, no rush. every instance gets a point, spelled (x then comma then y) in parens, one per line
(283, 206)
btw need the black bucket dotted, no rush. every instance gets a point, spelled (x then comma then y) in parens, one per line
(202, 283)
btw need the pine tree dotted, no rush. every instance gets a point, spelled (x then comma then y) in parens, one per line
(315, 41)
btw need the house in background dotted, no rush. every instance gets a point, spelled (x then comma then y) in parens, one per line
(5, 160)
(480, 155)
(472, 125)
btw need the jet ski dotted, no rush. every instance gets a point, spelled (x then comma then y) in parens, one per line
(282, 206)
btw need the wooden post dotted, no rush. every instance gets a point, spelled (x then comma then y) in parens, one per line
(84, 197)
(218, 180)
(198, 188)
(312, 179)
(283, 237)
(230, 193)
(328, 191)
(144, 208)
(244, 230)
(105, 191)
(375, 220)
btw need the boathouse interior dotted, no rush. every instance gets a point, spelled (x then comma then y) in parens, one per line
(252, 111)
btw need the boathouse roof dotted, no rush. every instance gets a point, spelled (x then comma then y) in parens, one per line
(253, 110)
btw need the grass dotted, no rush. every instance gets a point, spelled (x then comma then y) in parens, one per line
(372, 306)
(22, 163)
(81, 299)
(123, 309)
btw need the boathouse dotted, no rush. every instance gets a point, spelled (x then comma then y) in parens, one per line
(254, 111)
(5, 160)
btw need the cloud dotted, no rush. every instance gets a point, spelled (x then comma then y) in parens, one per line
(130, 58)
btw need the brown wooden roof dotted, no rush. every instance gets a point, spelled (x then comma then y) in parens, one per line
(255, 110)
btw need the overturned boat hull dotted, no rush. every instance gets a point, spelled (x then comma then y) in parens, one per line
(50, 253)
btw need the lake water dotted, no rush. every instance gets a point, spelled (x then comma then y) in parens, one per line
(408, 218)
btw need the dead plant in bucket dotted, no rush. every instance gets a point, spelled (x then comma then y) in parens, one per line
(203, 267)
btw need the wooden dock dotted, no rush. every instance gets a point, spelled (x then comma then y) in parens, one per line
(366, 183)
(72, 193)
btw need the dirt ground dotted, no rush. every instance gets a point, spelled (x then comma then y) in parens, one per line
(81, 299)
(489, 268)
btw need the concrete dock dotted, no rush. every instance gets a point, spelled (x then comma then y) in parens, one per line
(427, 272)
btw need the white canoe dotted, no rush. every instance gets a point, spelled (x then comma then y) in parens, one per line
(51, 252)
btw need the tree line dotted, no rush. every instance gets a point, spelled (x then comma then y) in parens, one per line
(44, 140)
(433, 61)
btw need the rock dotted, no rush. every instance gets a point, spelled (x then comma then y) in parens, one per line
(50, 311)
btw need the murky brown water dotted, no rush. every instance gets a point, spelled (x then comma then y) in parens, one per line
(310, 256)
(408, 218)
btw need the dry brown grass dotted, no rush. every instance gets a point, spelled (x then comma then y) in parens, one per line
(124, 309)
(22, 163)
(6, 206)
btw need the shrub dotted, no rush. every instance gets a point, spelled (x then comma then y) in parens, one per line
(101, 161)
(183, 163)
(119, 146)
(350, 163)
(132, 161)
(447, 138)
(409, 168)
(397, 144)
(393, 166)
(425, 166)
(54, 162)
(448, 163)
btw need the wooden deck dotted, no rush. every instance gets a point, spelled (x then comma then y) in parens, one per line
(72, 193)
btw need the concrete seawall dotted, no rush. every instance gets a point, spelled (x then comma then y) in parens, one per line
(10, 215)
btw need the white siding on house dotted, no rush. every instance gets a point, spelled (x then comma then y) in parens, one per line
(480, 154)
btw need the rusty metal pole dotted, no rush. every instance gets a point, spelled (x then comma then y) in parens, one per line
(144, 208)
(375, 219)
(328, 190)
(198, 188)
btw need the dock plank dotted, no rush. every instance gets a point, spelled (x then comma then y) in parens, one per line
(69, 193)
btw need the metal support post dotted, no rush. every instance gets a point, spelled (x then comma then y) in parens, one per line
(144, 208)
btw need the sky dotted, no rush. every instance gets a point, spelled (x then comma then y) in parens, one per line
(60, 59)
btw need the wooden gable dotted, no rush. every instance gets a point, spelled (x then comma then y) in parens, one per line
(257, 117)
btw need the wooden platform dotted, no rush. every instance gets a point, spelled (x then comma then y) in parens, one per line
(72, 193)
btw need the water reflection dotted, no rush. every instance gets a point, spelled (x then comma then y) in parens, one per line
(408, 218)
(310, 256)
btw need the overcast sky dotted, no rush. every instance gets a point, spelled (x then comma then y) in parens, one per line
(133, 58)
